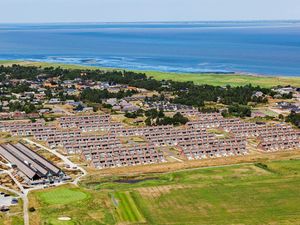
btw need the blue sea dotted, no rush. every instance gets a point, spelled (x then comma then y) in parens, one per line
(269, 48)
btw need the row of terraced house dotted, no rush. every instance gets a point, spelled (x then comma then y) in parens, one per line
(105, 148)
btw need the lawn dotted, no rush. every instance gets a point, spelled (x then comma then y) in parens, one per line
(212, 79)
(62, 195)
(220, 133)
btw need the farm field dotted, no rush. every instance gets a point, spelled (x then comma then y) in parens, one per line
(253, 193)
(212, 79)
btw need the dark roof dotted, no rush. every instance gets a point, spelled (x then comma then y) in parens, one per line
(27, 161)
(21, 165)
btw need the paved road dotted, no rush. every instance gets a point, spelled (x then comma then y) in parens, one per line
(10, 190)
(6, 201)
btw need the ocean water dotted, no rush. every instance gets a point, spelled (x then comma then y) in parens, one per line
(270, 48)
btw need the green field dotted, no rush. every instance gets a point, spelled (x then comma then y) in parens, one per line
(126, 208)
(262, 193)
(212, 79)
(62, 196)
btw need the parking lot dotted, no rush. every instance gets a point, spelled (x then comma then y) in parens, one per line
(6, 201)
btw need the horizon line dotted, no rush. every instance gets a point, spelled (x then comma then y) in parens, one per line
(157, 22)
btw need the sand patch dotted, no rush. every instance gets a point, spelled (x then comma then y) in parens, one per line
(64, 218)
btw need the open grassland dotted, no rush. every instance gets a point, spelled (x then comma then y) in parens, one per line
(212, 79)
(226, 79)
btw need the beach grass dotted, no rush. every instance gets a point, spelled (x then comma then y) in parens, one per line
(211, 79)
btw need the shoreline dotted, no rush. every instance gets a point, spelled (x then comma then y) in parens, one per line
(217, 79)
(234, 73)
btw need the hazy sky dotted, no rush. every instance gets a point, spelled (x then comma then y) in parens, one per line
(145, 10)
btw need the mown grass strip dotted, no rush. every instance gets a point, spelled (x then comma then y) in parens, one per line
(127, 209)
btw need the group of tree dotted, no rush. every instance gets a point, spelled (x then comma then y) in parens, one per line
(26, 107)
(97, 96)
(134, 115)
(186, 93)
(197, 95)
(238, 111)
(281, 96)
(30, 72)
(155, 118)
(294, 118)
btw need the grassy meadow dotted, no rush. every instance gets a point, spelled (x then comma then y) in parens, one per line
(261, 193)
(212, 79)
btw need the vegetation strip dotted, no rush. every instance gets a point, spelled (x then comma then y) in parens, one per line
(212, 79)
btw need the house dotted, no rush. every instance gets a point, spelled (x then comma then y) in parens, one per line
(258, 94)
(44, 111)
(50, 84)
(88, 109)
(112, 101)
(54, 101)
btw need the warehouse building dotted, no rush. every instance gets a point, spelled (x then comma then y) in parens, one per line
(34, 167)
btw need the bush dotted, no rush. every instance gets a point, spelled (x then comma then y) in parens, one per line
(31, 209)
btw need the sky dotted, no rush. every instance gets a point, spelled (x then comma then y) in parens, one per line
(52, 11)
